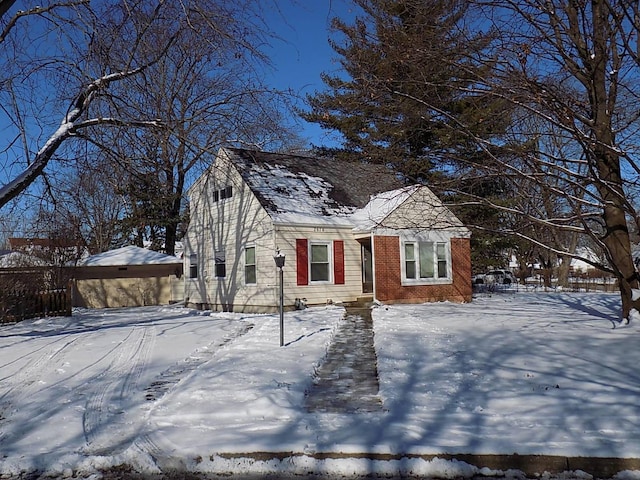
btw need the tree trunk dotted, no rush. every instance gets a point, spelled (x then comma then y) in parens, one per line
(606, 160)
(618, 246)
(565, 265)
(563, 271)
(616, 236)
(170, 238)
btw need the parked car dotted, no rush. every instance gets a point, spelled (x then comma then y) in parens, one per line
(495, 277)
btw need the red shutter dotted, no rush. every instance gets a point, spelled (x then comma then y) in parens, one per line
(338, 262)
(302, 261)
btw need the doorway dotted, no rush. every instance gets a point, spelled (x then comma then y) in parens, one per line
(367, 265)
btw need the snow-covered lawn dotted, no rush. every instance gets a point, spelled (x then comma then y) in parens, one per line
(162, 388)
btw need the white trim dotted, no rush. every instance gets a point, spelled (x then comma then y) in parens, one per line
(373, 262)
(329, 245)
(425, 281)
(244, 264)
(315, 224)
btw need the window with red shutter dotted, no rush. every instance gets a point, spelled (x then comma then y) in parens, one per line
(338, 262)
(302, 261)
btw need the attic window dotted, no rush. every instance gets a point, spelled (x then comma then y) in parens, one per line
(226, 192)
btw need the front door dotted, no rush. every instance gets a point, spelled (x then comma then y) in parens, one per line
(367, 265)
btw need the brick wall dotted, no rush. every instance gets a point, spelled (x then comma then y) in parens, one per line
(388, 284)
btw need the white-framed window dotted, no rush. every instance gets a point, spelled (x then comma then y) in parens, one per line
(219, 195)
(319, 261)
(250, 265)
(426, 261)
(193, 266)
(220, 264)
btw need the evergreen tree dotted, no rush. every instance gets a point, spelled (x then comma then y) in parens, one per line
(406, 64)
(411, 68)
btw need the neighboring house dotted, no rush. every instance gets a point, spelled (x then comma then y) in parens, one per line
(21, 271)
(579, 266)
(347, 230)
(10, 259)
(31, 287)
(127, 277)
(56, 251)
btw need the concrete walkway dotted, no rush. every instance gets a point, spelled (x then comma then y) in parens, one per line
(347, 381)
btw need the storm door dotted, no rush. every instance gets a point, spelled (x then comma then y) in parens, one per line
(367, 265)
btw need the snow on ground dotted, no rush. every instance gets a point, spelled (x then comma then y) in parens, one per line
(162, 388)
(530, 374)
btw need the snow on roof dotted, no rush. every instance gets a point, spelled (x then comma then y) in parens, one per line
(130, 255)
(295, 197)
(379, 207)
(587, 253)
(298, 189)
(19, 259)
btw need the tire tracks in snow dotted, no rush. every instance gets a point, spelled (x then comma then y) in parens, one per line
(152, 443)
(110, 420)
(171, 376)
(30, 379)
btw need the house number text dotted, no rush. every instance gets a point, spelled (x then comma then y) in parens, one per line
(318, 229)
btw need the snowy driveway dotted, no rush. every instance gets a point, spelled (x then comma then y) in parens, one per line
(83, 389)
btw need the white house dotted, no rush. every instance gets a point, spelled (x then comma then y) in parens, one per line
(347, 230)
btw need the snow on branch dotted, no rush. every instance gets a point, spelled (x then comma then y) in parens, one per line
(67, 128)
(38, 10)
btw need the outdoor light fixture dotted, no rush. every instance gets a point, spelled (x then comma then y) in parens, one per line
(279, 259)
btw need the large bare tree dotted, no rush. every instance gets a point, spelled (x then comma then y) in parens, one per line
(46, 87)
(73, 69)
(547, 105)
(573, 66)
(208, 93)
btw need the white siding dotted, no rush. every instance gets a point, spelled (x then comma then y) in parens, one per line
(424, 211)
(228, 224)
(320, 293)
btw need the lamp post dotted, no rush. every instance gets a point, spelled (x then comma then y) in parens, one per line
(279, 259)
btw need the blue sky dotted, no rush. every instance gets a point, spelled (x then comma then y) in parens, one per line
(304, 52)
(298, 58)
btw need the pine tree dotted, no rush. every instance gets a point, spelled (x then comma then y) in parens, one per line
(406, 64)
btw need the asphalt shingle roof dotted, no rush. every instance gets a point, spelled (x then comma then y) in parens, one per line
(315, 186)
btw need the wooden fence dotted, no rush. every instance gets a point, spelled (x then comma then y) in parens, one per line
(20, 305)
(23, 295)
